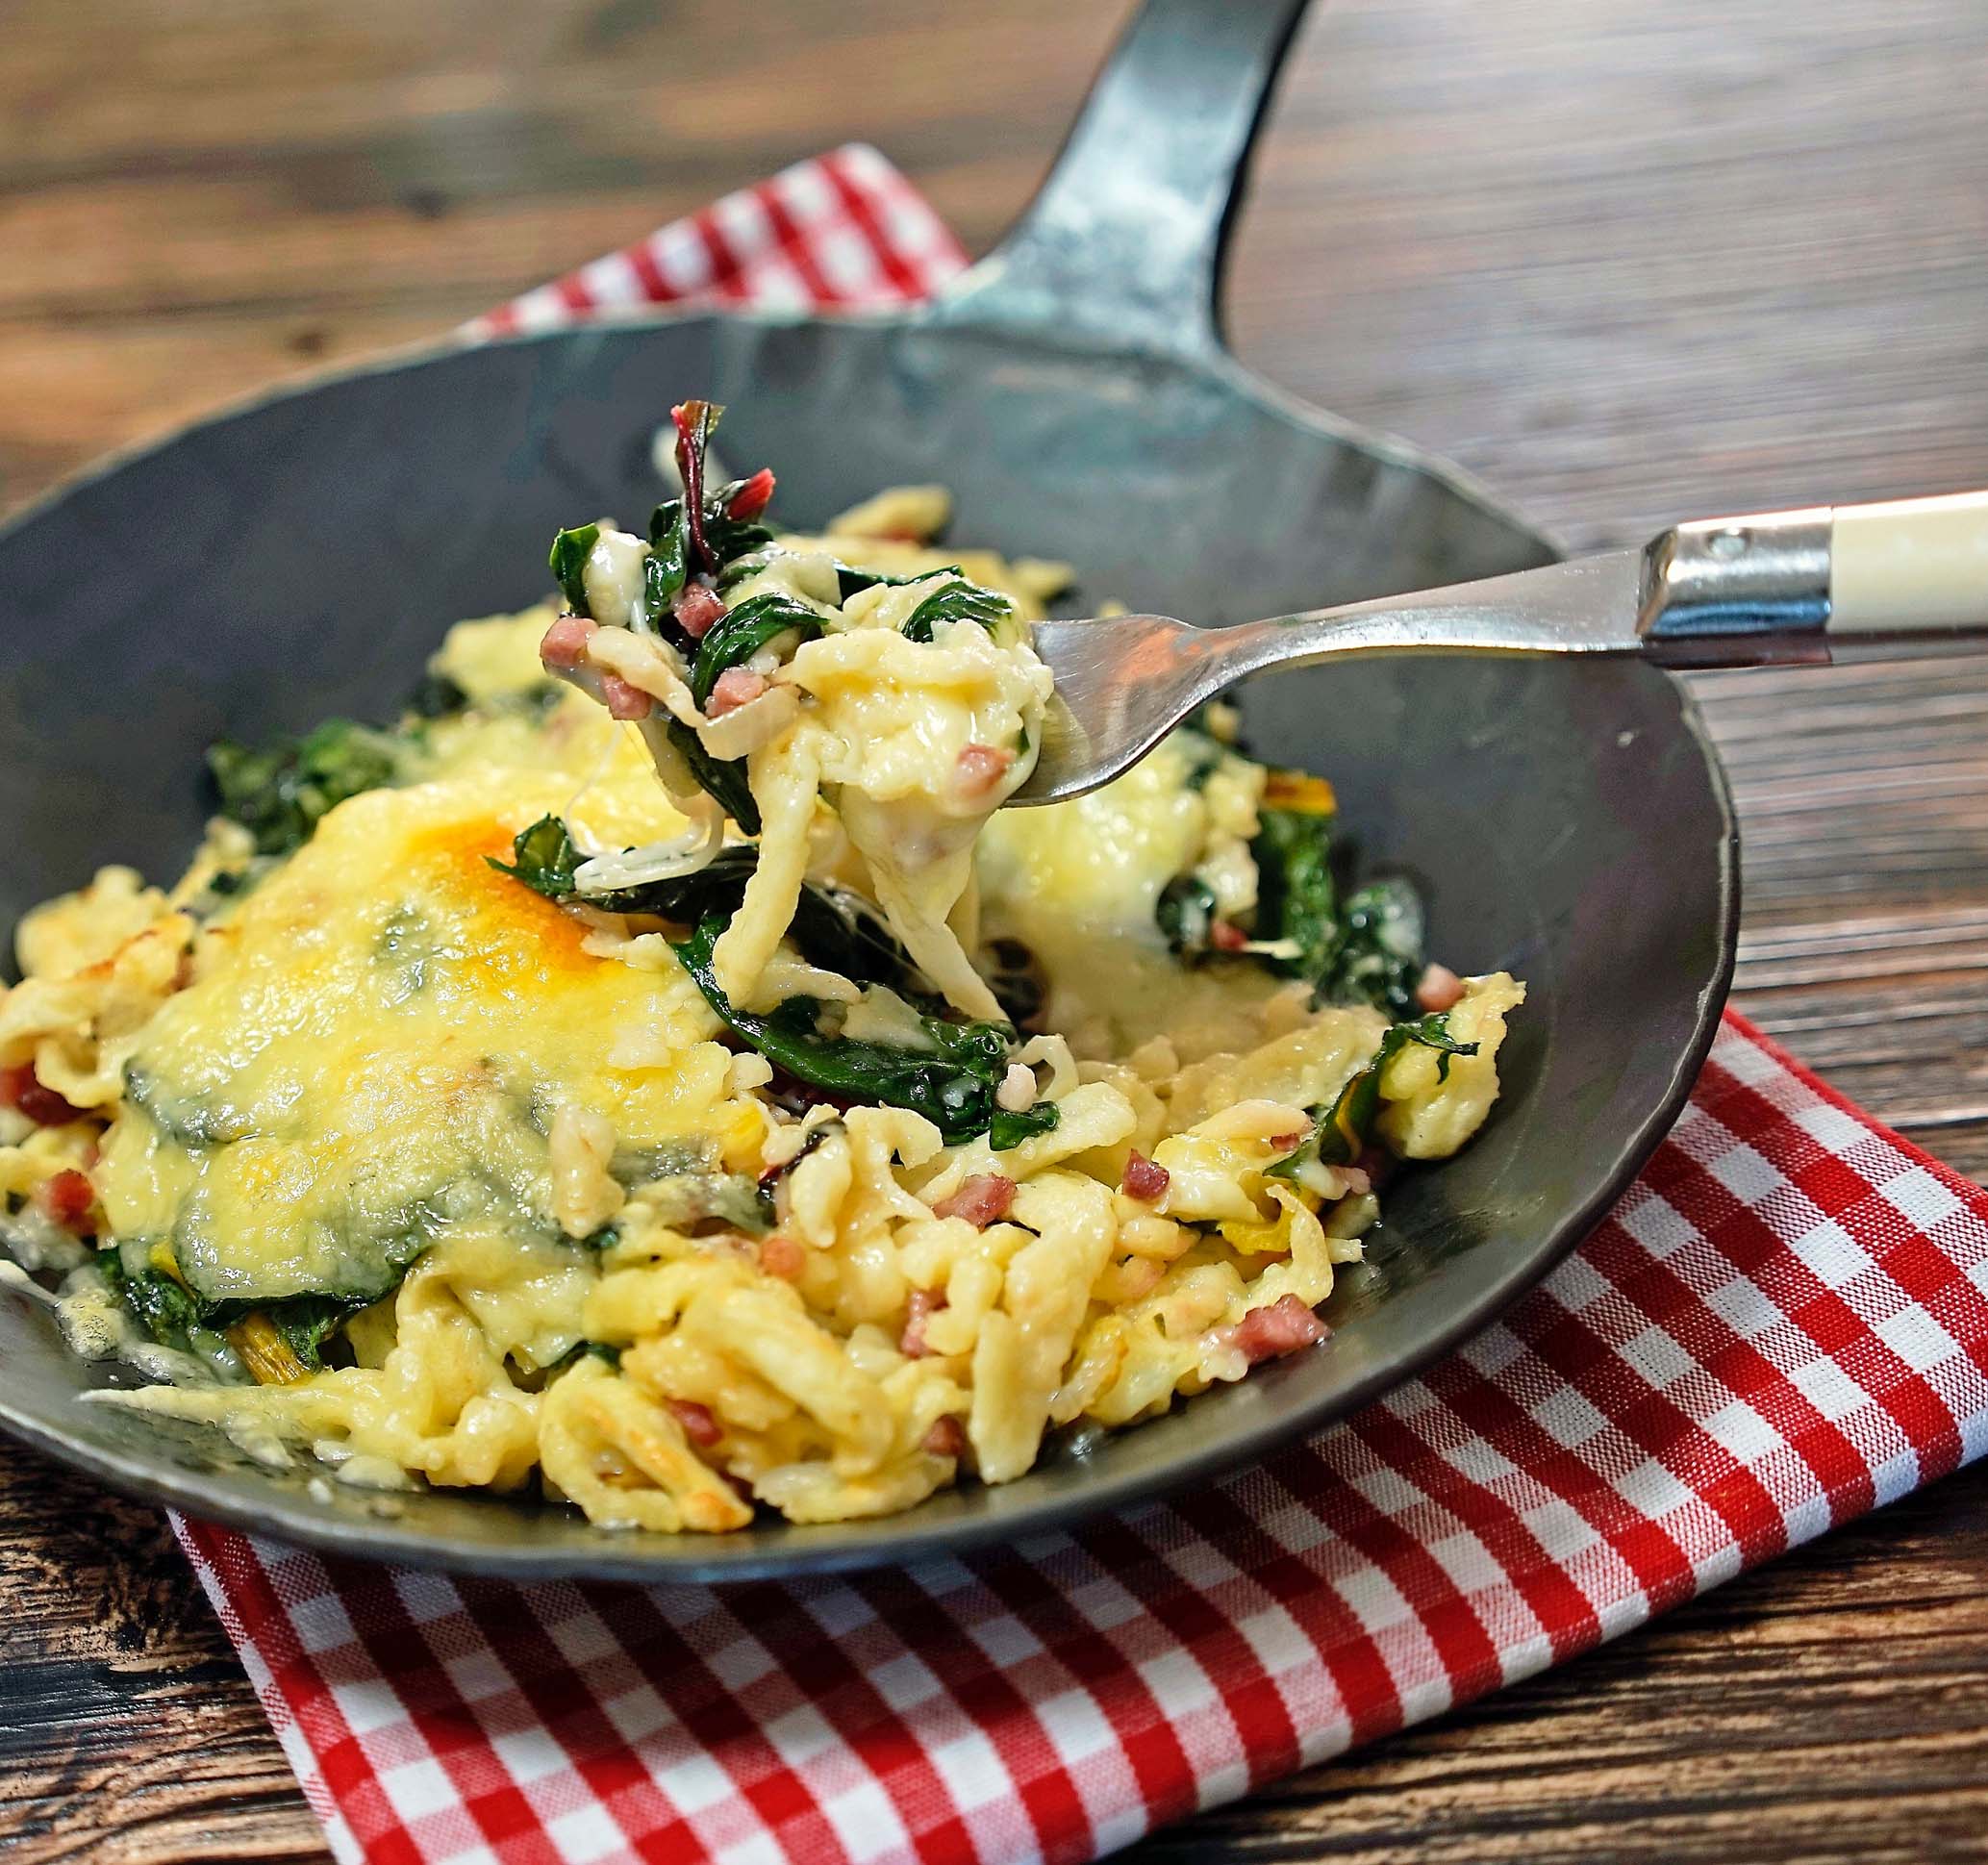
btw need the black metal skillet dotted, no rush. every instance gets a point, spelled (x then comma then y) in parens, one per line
(301, 556)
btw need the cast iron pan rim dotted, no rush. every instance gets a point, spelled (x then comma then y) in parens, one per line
(677, 1559)
(1217, 364)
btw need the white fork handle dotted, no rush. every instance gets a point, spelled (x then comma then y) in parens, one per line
(1910, 565)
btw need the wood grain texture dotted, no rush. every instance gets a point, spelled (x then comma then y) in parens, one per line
(1628, 260)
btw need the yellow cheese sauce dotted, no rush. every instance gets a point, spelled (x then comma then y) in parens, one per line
(376, 1141)
(375, 1047)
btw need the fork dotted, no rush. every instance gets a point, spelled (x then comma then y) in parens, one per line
(1830, 582)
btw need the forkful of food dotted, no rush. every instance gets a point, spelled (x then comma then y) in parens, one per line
(1828, 584)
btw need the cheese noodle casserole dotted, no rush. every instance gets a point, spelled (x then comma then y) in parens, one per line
(650, 1075)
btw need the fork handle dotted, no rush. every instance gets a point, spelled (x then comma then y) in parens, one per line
(1833, 583)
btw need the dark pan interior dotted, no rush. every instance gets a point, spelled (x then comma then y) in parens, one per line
(302, 557)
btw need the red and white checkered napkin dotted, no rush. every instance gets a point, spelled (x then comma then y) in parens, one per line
(1783, 1324)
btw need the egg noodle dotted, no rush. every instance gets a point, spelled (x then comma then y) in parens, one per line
(651, 1074)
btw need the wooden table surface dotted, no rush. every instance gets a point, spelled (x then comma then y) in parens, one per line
(1628, 260)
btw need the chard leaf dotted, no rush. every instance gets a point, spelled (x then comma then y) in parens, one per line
(162, 1307)
(739, 633)
(570, 550)
(1185, 912)
(543, 858)
(584, 1350)
(687, 1198)
(667, 566)
(1378, 957)
(854, 581)
(953, 1084)
(697, 422)
(1365, 950)
(1295, 898)
(694, 534)
(436, 696)
(1007, 1131)
(725, 781)
(1341, 1132)
(833, 928)
(279, 794)
(307, 1322)
(730, 537)
(958, 600)
(172, 1313)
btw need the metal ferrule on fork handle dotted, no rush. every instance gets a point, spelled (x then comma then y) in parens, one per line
(1832, 583)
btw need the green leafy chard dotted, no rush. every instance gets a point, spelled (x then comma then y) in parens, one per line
(740, 633)
(162, 1307)
(1185, 913)
(725, 781)
(684, 1201)
(1378, 957)
(279, 794)
(567, 562)
(699, 534)
(1296, 900)
(730, 535)
(958, 600)
(667, 566)
(1365, 950)
(1341, 1132)
(953, 1084)
(544, 859)
(172, 1314)
(705, 530)
(853, 581)
(307, 1322)
(833, 927)
(436, 696)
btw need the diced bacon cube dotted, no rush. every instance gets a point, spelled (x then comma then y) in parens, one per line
(980, 769)
(1440, 989)
(1358, 1184)
(735, 687)
(697, 608)
(753, 498)
(783, 1256)
(20, 1091)
(65, 1200)
(923, 1303)
(1144, 1181)
(624, 700)
(1281, 1328)
(983, 1199)
(700, 1424)
(947, 1437)
(565, 642)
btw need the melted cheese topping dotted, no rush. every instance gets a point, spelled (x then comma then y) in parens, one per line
(1077, 883)
(375, 1050)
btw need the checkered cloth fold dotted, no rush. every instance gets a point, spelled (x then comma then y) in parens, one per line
(1783, 1324)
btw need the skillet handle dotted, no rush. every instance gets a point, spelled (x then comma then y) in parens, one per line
(1123, 241)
